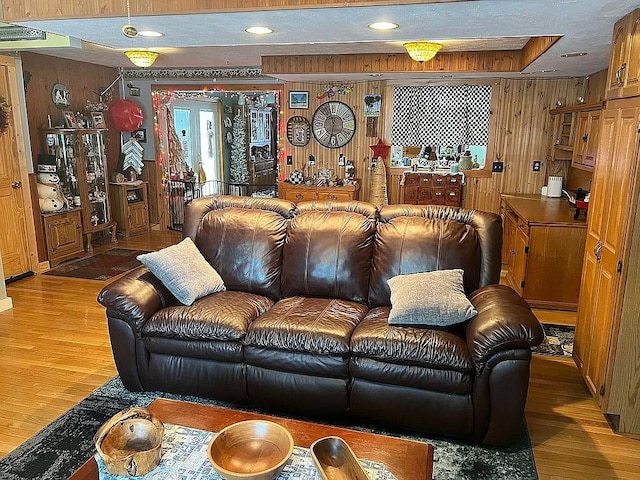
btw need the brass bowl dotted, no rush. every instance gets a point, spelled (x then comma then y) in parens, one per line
(250, 450)
(130, 442)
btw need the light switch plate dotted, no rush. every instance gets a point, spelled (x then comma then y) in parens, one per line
(289, 159)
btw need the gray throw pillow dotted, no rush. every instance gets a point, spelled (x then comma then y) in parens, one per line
(184, 271)
(431, 298)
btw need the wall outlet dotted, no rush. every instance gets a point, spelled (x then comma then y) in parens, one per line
(312, 161)
(497, 167)
(537, 164)
(341, 160)
(289, 159)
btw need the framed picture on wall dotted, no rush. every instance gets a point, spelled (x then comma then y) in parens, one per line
(140, 135)
(299, 100)
(98, 120)
(69, 119)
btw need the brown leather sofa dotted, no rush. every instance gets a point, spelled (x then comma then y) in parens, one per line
(303, 324)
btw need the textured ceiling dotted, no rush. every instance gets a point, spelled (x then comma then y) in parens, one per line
(219, 40)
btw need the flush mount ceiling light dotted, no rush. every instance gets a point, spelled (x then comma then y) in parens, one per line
(383, 25)
(259, 30)
(422, 51)
(142, 58)
(573, 54)
(150, 33)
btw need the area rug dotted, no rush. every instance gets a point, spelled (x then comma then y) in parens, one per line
(101, 266)
(558, 340)
(63, 446)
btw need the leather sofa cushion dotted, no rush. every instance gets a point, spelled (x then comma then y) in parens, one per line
(328, 251)
(427, 358)
(422, 239)
(224, 316)
(311, 325)
(242, 238)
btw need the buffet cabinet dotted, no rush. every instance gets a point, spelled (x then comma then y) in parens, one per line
(130, 207)
(81, 164)
(427, 188)
(542, 250)
(305, 193)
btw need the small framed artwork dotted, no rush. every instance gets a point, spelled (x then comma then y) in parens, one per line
(69, 119)
(134, 91)
(299, 100)
(98, 120)
(140, 135)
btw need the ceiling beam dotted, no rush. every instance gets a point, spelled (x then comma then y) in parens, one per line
(454, 62)
(535, 47)
(21, 10)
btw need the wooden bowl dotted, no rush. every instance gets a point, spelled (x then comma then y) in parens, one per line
(335, 460)
(250, 450)
(130, 442)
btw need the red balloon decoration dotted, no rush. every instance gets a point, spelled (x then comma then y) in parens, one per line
(126, 115)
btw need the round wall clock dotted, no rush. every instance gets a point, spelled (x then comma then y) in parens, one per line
(333, 124)
(298, 131)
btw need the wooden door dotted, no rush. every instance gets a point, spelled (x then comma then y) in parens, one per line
(617, 59)
(632, 70)
(609, 210)
(593, 139)
(521, 248)
(17, 242)
(580, 143)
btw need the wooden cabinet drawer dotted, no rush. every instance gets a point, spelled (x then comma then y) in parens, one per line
(453, 180)
(425, 180)
(424, 196)
(411, 195)
(452, 195)
(299, 195)
(412, 179)
(63, 234)
(334, 196)
(439, 180)
(438, 196)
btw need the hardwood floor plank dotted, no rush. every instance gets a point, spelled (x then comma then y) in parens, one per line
(55, 350)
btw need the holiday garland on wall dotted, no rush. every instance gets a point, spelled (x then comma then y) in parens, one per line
(238, 170)
(4, 115)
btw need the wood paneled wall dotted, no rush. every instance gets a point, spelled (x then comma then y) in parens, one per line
(357, 149)
(82, 80)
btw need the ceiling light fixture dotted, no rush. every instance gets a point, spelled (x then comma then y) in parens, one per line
(422, 51)
(142, 58)
(150, 33)
(573, 54)
(383, 25)
(259, 30)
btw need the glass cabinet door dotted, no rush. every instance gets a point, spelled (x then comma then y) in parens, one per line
(95, 160)
(62, 146)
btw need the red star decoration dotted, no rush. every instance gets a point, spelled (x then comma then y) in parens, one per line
(380, 149)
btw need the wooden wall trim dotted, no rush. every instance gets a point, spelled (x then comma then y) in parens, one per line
(535, 47)
(15, 10)
(487, 62)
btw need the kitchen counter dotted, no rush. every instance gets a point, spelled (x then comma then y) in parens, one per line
(543, 250)
(539, 210)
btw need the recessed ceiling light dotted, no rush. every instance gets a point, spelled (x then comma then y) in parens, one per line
(150, 33)
(383, 25)
(259, 30)
(574, 54)
(375, 74)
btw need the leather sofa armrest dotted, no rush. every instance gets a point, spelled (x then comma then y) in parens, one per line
(135, 297)
(504, 322)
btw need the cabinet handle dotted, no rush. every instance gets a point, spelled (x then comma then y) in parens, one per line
(299, 196)
(585, 137)
(333, 197)
(621, 75)
(597, 251)
(513, 251)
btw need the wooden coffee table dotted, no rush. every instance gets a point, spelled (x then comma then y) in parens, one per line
(406, 459)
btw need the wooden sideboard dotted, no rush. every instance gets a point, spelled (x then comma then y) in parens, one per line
(430, 188)
(543, 249)
(304, 193)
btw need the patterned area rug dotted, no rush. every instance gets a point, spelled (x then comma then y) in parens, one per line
(558, 340)
(64, 445)
(101, 266)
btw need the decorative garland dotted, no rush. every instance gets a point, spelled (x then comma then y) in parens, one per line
(5, 108)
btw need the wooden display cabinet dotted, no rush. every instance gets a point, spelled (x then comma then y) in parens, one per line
(623, 79)
(63, 233)
(587, 139)
(81, 164)
(130, 207)
(304, 193)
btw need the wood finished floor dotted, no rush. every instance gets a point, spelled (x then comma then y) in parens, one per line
(54, 351)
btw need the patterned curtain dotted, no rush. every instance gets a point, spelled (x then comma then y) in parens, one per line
(441, 115)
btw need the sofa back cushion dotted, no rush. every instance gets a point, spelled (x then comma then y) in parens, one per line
(328, 251)
(412, 239)
(242, 238)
